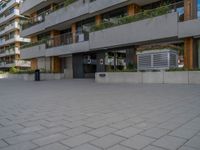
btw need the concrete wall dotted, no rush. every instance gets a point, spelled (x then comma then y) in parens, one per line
(72, 11)
(33, 52)
(182, 77)
(189, 28)
(68, 72)
(68, 49)
(26, 5)
(149, 29)
(33, 30)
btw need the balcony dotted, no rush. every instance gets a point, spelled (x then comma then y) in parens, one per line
(29, 4)
(37, 50)
(189, 28)
(34, 25)
(64, 44)
(9, 4)
(11, 51)
(66, 13)
(10, 27)
(16, 63)
(143, 27)
(16, 38)
(10, 16)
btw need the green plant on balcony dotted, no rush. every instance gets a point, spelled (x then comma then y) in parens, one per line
(68, 2)
(128, 19)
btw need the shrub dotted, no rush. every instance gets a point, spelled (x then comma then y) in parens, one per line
(14, 70)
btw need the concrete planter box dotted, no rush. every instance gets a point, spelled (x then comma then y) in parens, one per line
(175, 77)
(152, 77)
(31, 77)
(115, 77)
(194, 77)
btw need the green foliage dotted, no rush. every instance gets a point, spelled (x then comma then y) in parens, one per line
(13, 70)
(68, 2)
(182, 69)
(1, 72)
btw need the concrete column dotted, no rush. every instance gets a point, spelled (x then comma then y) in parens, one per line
(133, 9)
(189, 53)
(190, 7)
(74, 32)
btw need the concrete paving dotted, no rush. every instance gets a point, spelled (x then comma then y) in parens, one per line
(84, 115)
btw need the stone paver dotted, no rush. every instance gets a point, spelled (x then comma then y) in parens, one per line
(49, 139)
(21, 146)
(186, 133)
(107, 141)
(170, 142)
(86, 147)
(194, 142)
(102, 131)
(22, 138)
(153, 148)
(155, 132)
(3, 144)
(54, 146)
(84, 115)
(138, 142)
(128, 132)
(119, 147)
(78, 140)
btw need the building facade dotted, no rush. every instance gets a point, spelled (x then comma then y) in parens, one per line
(81, 37)
(10, 39)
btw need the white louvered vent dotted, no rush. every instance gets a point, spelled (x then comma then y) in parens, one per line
(157, 59)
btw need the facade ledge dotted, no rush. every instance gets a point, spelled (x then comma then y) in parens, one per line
(68, 49)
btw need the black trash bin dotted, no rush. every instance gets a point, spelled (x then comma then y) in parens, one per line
(37, 75)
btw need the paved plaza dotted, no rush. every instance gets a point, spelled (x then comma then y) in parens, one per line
(84, 115)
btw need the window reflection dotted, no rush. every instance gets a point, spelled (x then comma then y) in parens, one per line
(198, 8)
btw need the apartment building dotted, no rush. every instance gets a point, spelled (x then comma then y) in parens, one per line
(81, 37)
(10, 39)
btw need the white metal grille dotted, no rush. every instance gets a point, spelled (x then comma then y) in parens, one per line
(157, 59)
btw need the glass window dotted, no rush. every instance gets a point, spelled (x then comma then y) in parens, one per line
(198, 11)
(199, 53)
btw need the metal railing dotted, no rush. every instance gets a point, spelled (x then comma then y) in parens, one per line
(67, 39)
(60, 40)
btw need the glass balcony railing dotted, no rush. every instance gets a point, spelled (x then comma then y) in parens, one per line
(198, 9)
(112, 22)
(61, 40)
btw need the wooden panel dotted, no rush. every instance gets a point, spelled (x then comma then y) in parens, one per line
(55, 65)
(98, 19)
(34, 64)
(55, 34)
(133, 9)
(190, 7)
(189, 53)
(74, 32)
